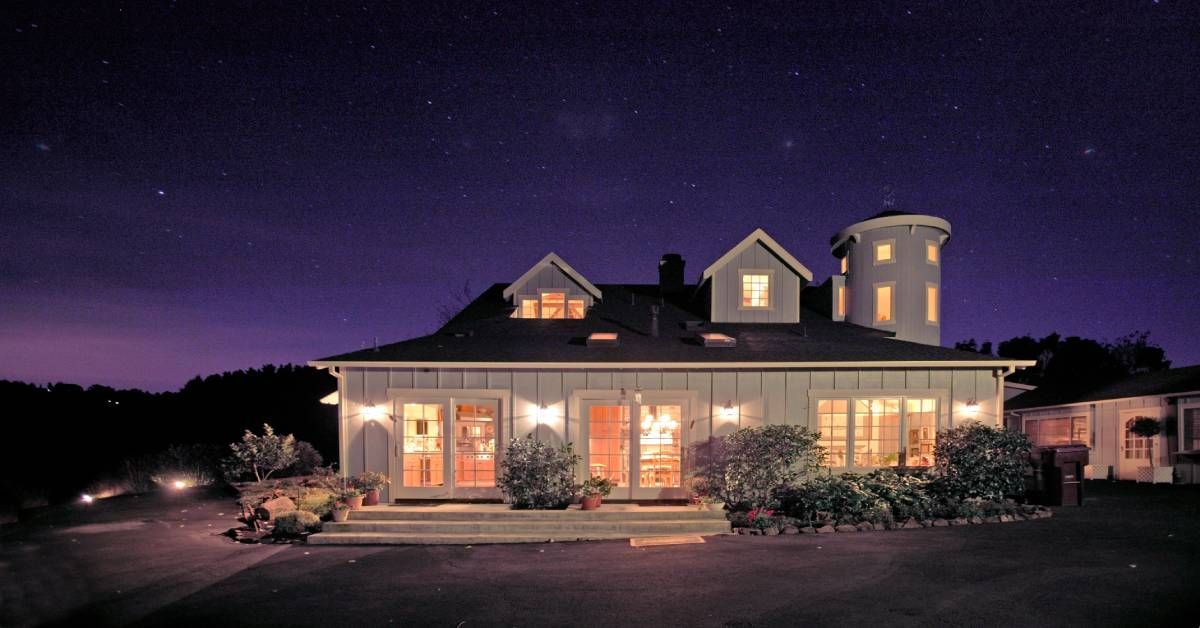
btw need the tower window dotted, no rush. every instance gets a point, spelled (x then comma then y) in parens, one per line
(933, 252)
(931, 304)
(841, 301)
(885, 303)
(885, 252)
(846, 264)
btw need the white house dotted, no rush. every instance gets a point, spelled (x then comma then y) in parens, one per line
(632, 374)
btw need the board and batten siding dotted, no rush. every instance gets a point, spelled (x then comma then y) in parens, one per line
(759, 397)
(551, 278)
(727, 289)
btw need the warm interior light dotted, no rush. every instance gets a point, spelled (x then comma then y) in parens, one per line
(372, 412)
(87, 499)
(179, 484)
(728, 413)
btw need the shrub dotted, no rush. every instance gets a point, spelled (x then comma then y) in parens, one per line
(318, 501)
(761, 518)
(975, 460)
(308, 460)
(534, 474)
(297, 522)
(263, 455)
(906, 496)
(370, 480)
(196, 465)
(830, 498)
(752, 465)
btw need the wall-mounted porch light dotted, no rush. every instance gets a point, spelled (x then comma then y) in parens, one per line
(372, 412)
(728, 412)
(971, 410)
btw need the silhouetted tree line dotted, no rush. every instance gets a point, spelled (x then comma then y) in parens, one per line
(1075, 364)
(59, 438)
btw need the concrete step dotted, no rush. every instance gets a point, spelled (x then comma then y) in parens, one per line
(392, 513)
(565, 527)
(410, 538)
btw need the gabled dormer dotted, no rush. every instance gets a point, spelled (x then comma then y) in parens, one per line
(757, 281)
(551, 289)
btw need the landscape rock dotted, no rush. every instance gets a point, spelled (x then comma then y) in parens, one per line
(976, 520)
(1006, 518)
(878, 526)
(992, 519)
(791, 530)
(742, 531)
(865, 527)
(771, 531)
(808, 530)
(959, 521)
(755, 532)
(846, 527)
(825, 529)
(911, 524)
(271, 508)
(925, 523)
(940, 523)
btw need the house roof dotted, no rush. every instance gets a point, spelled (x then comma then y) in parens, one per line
(758, 235)
(485, 333)
(1166, 382)
(552, 259)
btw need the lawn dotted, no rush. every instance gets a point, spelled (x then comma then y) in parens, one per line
(1126, 558)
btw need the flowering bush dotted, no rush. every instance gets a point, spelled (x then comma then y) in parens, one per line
(761, 518)
(975, 460)
(534, 474)
(751, 466)
(370, 480)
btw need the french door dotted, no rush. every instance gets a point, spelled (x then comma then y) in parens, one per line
(447, 448)
(639, 446)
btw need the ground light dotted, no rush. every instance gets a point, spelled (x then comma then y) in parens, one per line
(87, 499)
(180, 484)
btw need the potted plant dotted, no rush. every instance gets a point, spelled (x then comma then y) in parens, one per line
(341, 511)
(353, 498)
(1149, 428)
(593, 491)
(370, 482)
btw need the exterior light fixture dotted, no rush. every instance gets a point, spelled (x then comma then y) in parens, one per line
(87, 499)
(543, 412)
(637, 394)
(727, 412)
(971, 410)
(179, 485)
(372, 412)
(624, 396)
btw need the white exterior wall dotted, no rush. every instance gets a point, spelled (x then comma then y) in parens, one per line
(910, 273)
(550, 278)
(762, 397)
(785, 289)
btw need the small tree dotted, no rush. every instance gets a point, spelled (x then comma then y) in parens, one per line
(263, 455)
(749, 467)
(1147, 427)
(975, 460)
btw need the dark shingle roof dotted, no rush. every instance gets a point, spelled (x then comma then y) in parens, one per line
(1178, 380)
(485, 332)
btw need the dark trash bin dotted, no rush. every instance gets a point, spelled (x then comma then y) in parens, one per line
(1062, 474)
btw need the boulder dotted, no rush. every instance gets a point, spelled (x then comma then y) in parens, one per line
(878, 526)
(808, 530)
(940, 523)
(911, 524)
(846, 527)
(755, 532)
(959, 521)
(825, 529)
(991, 519)
(865, 527)
(976, 519)
(1007, 519)
(771, 531)
(790, 530)
(271, 508)
(925, 523)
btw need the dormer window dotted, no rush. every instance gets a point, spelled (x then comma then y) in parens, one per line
(550, 305)
(756, 289)
(554, 305)
(529, 308)
(576, 308)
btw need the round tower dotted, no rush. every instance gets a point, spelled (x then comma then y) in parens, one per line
(891, 265)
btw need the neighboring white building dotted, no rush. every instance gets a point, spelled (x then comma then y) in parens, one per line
(1101, 419)
(633, 374)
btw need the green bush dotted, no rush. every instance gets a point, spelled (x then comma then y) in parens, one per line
(907, 496)
(318, 501)
(975, 460)
(750, 467)
(830, 499)
(297, 522)
(534, 474)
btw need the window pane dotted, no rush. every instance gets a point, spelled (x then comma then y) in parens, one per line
(841, 301)
(832, 418)
(575, 308)
(922, 431)
(529, 308)
(608, 443)
(474, 445)
(876, 432)
(931, 252)
(883, 252)
(659, 457)
(931, 304)
(846, 264)
(554, 305)
(756, 290)
(883, 304)
(423, 444)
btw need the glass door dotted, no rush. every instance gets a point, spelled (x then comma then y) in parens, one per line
(474, 434)
(608, 445)
(423, 452)
(659, 451)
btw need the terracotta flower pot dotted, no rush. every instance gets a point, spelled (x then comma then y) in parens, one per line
(355, 502)
(371, 498)
(340, 515)
(590, 502)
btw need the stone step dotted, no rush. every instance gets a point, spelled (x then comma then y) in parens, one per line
(410, 538)
(534, 527)
(390, 513)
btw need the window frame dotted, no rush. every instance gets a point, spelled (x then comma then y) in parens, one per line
(542, 303)
(848, 444)
(845, 268)
(1074, 418)
(890, 242)
(890, 285)
(770, 274)
(839, 301)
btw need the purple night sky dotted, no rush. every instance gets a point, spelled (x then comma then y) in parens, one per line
(187, 189)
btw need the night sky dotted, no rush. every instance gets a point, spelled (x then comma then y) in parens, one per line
(188, 188)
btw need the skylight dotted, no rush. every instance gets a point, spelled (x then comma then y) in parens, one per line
(714, 339)
(602, 339)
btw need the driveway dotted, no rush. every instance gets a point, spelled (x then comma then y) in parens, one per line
(1127, 558)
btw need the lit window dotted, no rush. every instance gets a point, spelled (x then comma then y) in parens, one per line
(885, 251)
(529, 308)
(714, 339)
(554, 305)
(832, 417)
(841, 301)
(423, 444)
(876, 432)
(575, 308)
(884, 303)
(921, 426)
(846, 264)
(1054, 431)
(931, 304)
(1136, 447)
(932, 251)
(756, 290)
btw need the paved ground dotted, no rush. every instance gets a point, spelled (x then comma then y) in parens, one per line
(1130, 557)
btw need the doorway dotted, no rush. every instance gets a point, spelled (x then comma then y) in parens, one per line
(638, 446)
(447, 448)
